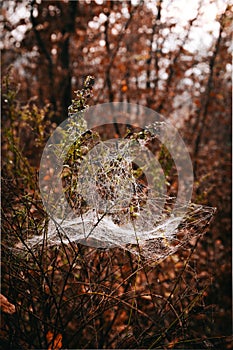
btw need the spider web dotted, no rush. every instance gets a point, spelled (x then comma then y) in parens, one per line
(112, 203)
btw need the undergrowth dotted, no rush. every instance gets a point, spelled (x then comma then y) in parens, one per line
(75, 297)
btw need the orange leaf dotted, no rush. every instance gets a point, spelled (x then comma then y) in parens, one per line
(54, 343)
(47, 178)
(172, 343)
(124, 88)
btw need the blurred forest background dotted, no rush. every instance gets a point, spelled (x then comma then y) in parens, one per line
(171, 56)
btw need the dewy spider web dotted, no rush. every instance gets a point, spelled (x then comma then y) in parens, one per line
(115, 192)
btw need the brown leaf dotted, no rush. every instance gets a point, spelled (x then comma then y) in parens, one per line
(6, 306)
